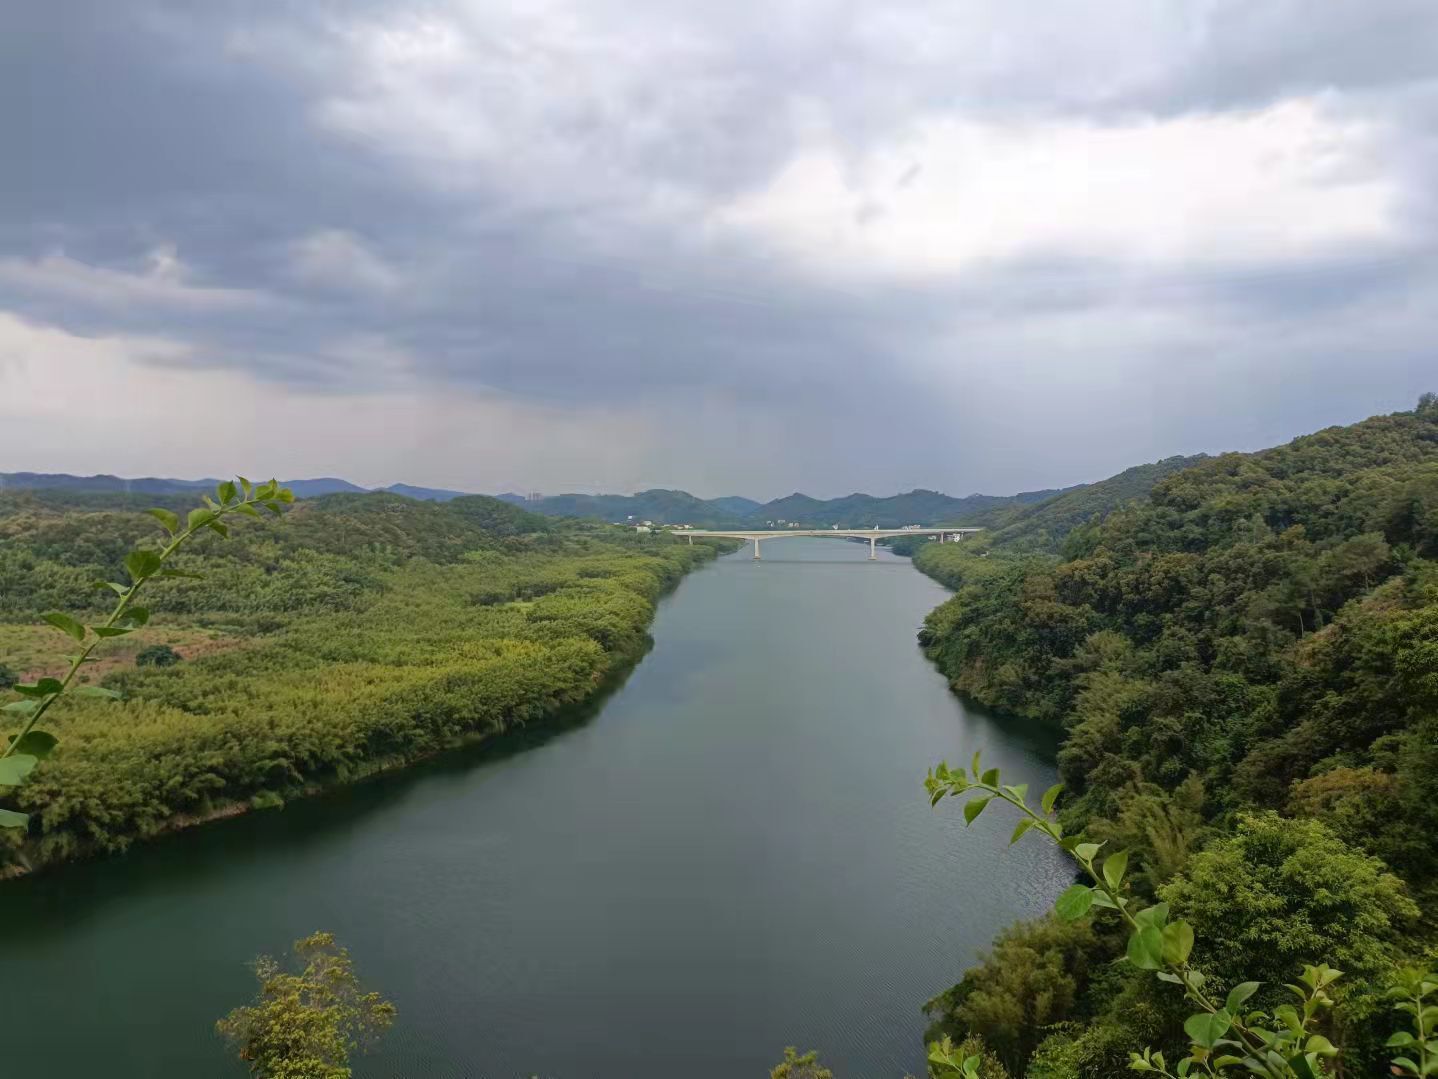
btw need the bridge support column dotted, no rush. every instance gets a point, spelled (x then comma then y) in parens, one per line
(756, 548)
(691, 541)
(941, 537)
(873, 550)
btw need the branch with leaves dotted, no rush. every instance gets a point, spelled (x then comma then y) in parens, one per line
(1224, 1038)
(32, 744)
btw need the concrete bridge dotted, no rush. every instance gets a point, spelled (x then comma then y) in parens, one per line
(873, 535)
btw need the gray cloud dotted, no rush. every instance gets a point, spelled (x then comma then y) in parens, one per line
(754, 247)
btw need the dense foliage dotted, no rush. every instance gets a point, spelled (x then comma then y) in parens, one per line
(1246, 669)
(1303, 884)
(306, 1024)
(356, 632)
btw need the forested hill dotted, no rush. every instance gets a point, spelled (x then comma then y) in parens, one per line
(1043, 526)
(895, 511)
(358, 631)
(1259, 634)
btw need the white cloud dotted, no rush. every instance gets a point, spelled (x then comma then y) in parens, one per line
(1282, 183)
(334, 258)
(166, 282)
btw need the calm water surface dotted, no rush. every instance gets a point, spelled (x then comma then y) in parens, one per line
(734, 855)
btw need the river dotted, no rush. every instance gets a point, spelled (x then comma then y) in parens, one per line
(733, 855)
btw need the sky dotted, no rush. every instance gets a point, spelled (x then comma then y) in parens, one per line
(734, 248)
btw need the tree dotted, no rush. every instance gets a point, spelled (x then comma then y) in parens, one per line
(1280, 892)
(1029, 980)
(305, 1025)
(794, 1066)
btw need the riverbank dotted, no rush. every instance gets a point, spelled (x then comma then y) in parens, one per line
(423, 658)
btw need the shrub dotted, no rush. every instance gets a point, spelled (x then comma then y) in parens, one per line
(157, 655)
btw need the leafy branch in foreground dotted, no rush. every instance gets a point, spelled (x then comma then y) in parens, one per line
(33, 744)
(1224, 1039)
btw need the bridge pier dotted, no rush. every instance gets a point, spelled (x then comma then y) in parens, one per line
(873, 550)
(691, 541)
(756, 548)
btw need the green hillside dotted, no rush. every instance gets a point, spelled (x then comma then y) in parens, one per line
(1245, 668)
(354, 633)
(1043, 526)
(658, 505)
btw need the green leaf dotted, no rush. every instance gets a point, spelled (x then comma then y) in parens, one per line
(142, 563)
(245, 485)
(45, 687)
(14, 769)
(1050, 797)
(98, 691)
(1023, 826)
(1074, 903)
(225, 490)
(1238, 994)
(37, 744)
(1101, 899)
(118, 589)
(1145, 948)
(974, 808)
(198, 518)
(222, 529)
(1165, 976)
(111, 631)
(1302, 1066)
(1205, 1029)
(1153, 916)
(65, 624)
(166, 518)
(1085, 851)
(1114, 867)
(1317, 1043)
(10, 819)
(135, 616)
(1177, 943)
(247, 509)
(23, 708)
(991, 778)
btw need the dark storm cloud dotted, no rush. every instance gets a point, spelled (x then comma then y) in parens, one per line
(539, 203)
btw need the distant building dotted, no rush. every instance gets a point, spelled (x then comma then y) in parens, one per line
(643, 528)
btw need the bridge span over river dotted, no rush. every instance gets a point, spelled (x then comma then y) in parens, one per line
(873, 535)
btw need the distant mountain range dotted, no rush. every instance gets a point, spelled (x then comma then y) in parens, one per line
(154, 485)
(661, 506)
